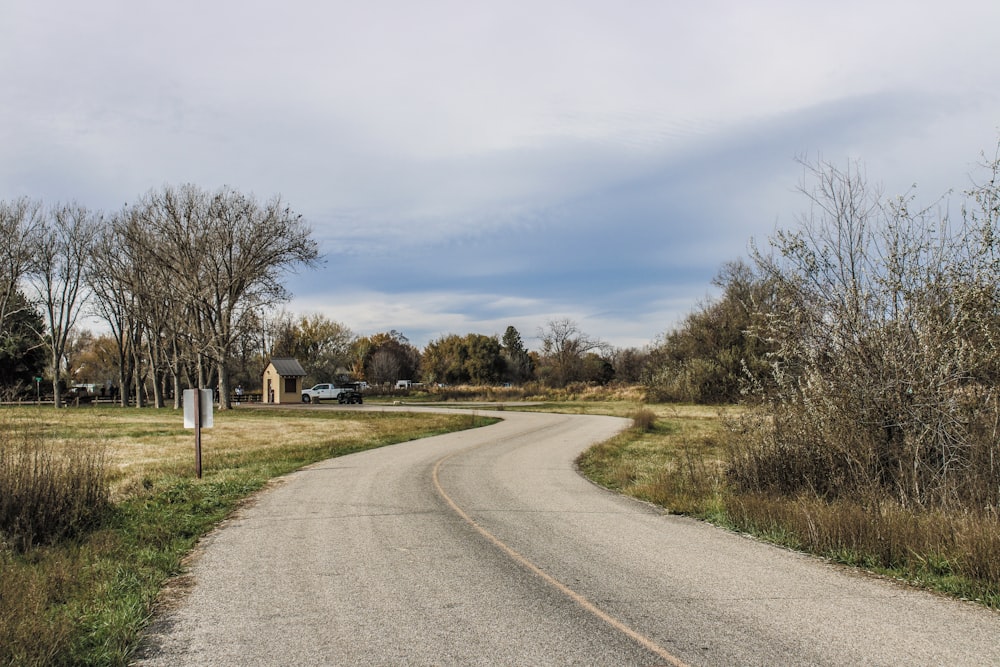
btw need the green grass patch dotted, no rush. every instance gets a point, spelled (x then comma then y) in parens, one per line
(85, 600)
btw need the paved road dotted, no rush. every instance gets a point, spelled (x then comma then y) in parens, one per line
(486, 548)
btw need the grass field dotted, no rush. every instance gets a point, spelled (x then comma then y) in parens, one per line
(84, 600)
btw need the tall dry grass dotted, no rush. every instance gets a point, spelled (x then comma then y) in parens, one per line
(48, 495)
(643, 420)
(955, 552)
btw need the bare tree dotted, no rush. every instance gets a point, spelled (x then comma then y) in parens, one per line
(111, 277)
(564, 347)
(63, 252)
(252, 246)
(384, 367)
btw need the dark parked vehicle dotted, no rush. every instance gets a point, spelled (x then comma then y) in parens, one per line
(80, 393)
(350, 394)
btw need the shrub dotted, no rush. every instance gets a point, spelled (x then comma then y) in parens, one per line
(884, 352)
(643, 420)
(827, 445)
(44, 495)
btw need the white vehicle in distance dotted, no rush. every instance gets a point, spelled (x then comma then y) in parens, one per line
(326, 391)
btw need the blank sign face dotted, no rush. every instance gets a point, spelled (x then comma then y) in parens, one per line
(206, 408)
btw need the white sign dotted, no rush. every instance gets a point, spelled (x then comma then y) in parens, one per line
(206, 408)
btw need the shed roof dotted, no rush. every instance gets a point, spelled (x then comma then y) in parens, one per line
(288, 367)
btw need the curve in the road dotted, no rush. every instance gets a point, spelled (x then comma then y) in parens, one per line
(579, 599)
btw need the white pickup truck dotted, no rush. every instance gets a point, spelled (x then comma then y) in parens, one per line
(327, 391)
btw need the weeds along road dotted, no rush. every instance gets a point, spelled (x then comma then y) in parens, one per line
(486, 548)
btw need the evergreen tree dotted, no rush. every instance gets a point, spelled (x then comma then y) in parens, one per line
(519, 365)
(22, 355)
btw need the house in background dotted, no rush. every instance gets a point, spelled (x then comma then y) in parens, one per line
(283, 381)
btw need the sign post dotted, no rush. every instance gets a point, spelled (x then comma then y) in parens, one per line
(38, 389)
(198, 415)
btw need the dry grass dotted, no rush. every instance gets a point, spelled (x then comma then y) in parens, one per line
(958, 553)
(678, 462)
(140, 444)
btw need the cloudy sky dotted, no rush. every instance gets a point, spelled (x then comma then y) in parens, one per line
(472, 164)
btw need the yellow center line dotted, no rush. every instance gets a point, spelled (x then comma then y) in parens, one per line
(579, 599)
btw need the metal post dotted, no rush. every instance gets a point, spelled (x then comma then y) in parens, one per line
(197, 432)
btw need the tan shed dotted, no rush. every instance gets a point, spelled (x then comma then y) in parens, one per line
(283, 381)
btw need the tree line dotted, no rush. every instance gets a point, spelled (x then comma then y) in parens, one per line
(181, 277)
(329, 351)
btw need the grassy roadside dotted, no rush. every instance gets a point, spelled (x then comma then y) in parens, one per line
(677, 459)
(673, 456)
(85, 600)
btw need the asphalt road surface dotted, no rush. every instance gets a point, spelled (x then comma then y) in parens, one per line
(486, 548)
